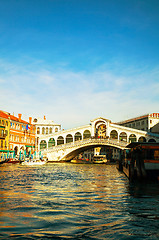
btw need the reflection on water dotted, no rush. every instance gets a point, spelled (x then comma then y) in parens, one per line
(75, 201)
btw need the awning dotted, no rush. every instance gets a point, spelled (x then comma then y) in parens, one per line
(6, 151)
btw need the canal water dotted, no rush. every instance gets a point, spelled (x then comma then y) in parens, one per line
(75, 201)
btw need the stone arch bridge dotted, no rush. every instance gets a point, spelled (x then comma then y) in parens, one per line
(66, 144)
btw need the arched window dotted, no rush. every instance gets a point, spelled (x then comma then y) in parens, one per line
(60, 140)
(142, 139)
(86, 134)
(123, 136)
(132, 138)
(113, 134)
(43, 144)
(1, 143)
(38, 130)
(56, 129)
(51, 142)
(50, 130)
(47, 130)
(78, 136)
(43, 130)
(69, 138)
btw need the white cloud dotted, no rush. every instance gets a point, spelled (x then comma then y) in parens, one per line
(74, 98)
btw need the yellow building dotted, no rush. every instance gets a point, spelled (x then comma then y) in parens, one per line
(4, 135)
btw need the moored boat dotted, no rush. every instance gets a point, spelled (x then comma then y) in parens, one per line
(13, 160)
(141, 161)
(33, 162)
(80, 160)
(100, 159)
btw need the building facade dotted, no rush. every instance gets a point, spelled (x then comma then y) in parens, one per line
(4, 135)
(148, 122)
(44, 127)
(19, 134)
(22, 135)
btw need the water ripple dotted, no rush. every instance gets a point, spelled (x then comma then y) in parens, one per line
(68, 201)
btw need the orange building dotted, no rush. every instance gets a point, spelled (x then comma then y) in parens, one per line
(21, 135)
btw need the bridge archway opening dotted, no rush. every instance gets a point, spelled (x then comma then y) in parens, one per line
(78, 136)
(43, 144)
(142, 139)
(51, 142)
(100, 128)
(132, 138)
(86, 134)
(79, 150)
(123, 136)
(69, 138)
(113, 134)
(60, 140)
(151, 140)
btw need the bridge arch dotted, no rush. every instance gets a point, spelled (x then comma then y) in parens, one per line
(72, 154)
(60, 140)
(86, 134)
(113, 134)
(142, 139)
(77, 136)
(69, 138)
(123, 136)
(132, 138)
(151, 140)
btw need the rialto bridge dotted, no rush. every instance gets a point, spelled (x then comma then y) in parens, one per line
(66, 144)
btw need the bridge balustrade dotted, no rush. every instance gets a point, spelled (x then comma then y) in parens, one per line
(87, 141)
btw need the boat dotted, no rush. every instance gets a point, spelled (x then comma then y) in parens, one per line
(13, 160)
(100, 159)
(141, 161)
(33, 162)
(80, 160)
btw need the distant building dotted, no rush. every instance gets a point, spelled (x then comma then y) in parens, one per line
(19, 134)
(4, 134)
(45, 127)
(148, 122)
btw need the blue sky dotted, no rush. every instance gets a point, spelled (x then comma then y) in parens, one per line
(75, 60)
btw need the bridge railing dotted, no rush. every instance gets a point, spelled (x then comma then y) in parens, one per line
(87, 141)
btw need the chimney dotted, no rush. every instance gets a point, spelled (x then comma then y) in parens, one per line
(44, 118)
(20, 116)
(30, 120)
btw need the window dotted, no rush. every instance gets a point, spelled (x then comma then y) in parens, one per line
(43, 130)
(38, 130)
(50, 131)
